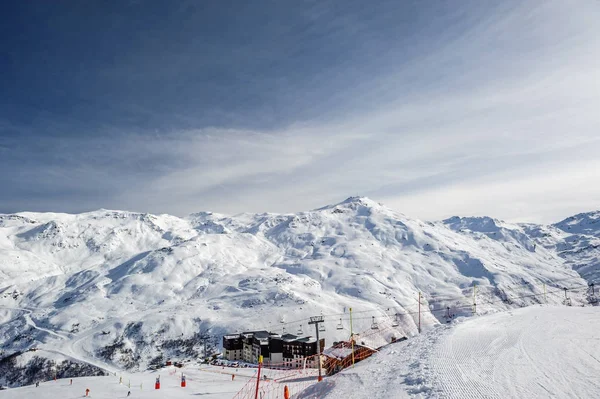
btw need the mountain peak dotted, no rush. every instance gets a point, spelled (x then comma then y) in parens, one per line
(582, 223)
(354, 203)
(357, 199)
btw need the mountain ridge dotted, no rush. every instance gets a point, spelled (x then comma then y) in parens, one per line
(129, 288)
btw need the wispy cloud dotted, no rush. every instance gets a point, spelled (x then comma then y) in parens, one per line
(495, 114)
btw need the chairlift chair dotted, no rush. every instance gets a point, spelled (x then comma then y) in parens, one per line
(300, 332)
(340, 326)
(374, 325)
(321, 327)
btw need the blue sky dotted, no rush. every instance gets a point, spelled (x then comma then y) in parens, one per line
(435, 108)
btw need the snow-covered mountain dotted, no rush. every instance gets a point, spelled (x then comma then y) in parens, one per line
(120, 289)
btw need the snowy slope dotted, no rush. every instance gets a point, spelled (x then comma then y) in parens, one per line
(581, 247)
(535, 352)
(124, 290)
(206, 381)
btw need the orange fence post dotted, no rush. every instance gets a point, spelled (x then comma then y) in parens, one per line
(260, 362)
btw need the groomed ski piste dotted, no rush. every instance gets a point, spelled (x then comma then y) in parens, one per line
(534, 352)
(208, 382)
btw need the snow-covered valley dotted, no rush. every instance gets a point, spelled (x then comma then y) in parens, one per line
(114, 290)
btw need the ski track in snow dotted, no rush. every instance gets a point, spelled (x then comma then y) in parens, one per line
(30, 322)
(526, 355)
(69, 351)
(533, 352)
(461, 367)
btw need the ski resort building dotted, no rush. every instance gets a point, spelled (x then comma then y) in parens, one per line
(232, 347)
(282, 350)
(248, 346)
(296, 349)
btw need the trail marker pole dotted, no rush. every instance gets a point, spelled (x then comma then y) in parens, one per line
(260, 362)
(316, 320)
(351, 337)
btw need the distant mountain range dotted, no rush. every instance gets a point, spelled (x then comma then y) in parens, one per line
(115, 289)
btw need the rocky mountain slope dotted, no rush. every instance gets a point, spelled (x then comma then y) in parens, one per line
(115, 289)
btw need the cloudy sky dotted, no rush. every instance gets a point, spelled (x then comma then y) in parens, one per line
(435, 108)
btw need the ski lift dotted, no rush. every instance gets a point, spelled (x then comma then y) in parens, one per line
(283, 330)
(340, 326)
(300, 332)
(448, 316)
(592, 299)
(374, 325)
(396, 321)
(567, 300)
(321, 327)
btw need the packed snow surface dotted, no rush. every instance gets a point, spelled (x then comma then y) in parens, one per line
(534, 352)
(206, 382)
